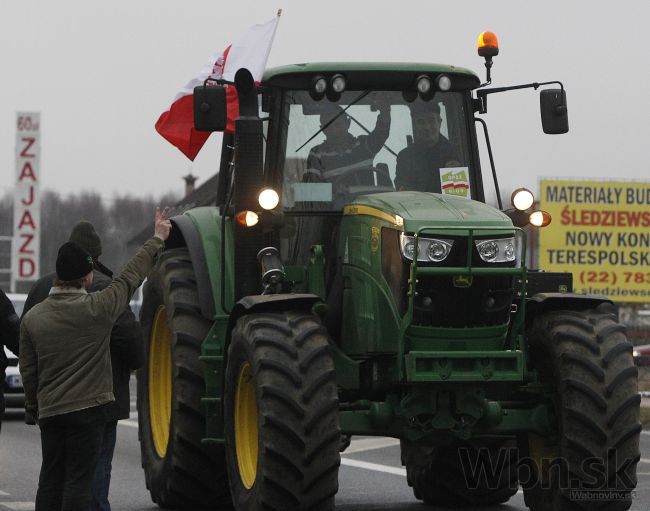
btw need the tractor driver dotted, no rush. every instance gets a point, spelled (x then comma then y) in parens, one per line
(342, 153)
(418, 165)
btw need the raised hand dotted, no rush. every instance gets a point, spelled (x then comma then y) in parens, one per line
(162, 226)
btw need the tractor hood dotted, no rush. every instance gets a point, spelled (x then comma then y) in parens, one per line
(420, 209)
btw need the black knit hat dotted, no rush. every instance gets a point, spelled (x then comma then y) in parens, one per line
(84, 235)
(73, 262)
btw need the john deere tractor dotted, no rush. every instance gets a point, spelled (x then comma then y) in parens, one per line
(357, 283)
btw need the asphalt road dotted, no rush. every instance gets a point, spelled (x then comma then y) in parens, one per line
(370, 478)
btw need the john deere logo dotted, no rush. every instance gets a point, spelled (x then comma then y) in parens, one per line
(463, 280)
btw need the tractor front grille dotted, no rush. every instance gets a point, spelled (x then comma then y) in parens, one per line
(448, 300)
(440, 302)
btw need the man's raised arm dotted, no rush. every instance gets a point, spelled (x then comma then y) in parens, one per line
(116, 296)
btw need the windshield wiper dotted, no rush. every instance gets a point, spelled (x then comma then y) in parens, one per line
(359, 98)
(368, 132)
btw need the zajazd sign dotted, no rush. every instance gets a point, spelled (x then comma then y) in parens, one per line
(601, 233)
(27, 208)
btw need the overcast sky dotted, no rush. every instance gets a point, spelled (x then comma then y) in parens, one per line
(101, 73)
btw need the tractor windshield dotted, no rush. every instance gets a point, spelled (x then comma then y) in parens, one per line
(372, 142)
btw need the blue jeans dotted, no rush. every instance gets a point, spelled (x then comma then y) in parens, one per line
(102, 481)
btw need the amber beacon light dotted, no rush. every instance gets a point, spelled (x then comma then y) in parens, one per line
(488, 47)
(488, 44)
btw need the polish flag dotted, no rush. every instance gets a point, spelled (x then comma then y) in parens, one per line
(250, 50)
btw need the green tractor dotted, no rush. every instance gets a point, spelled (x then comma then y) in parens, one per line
(352, 281)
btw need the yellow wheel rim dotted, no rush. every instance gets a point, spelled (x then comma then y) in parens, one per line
(246, 426)
(160, 382)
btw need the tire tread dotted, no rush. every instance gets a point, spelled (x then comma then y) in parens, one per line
(586, 357)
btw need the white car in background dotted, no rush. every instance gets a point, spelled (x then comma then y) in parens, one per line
(13, 384)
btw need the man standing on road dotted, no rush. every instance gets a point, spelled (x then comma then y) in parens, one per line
(65, 365)
(127, 354)
(9, 329)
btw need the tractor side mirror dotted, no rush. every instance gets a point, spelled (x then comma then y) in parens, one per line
(210, 108)
(552, 104)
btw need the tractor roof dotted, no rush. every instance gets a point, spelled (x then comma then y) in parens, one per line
(273, 74)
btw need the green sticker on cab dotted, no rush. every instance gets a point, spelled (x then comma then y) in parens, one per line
(455, 181)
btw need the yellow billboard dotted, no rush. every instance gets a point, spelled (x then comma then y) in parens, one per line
(601, 233)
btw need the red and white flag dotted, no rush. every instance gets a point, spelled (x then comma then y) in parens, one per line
(250, 50)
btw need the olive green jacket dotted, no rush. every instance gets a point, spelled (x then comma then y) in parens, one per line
(64, 356)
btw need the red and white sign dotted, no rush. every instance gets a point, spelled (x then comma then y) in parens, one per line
(27, 206)
(250, 50)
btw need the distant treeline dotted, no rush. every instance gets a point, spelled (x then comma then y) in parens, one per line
(116, 221)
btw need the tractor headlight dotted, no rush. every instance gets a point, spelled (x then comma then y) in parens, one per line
(268, 198)
(338, 83)
(502, 250)
(444, 83)
(423, 84)
(319, 85)
(522, 199)
(429, 249)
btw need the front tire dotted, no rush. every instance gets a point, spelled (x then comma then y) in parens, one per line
(587, 359)
(180, 472)
(281, 414)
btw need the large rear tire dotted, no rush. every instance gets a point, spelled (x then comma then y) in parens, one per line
(587, 359)
(281, 414)
(481, 473)
(180, 472)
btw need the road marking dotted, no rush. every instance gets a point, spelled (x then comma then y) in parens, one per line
(374, 466)
(18, 506)
(370, 444)
(4, 493)
(644, 460)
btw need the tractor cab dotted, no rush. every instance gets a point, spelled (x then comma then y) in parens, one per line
(334, 147)
(339, 130)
